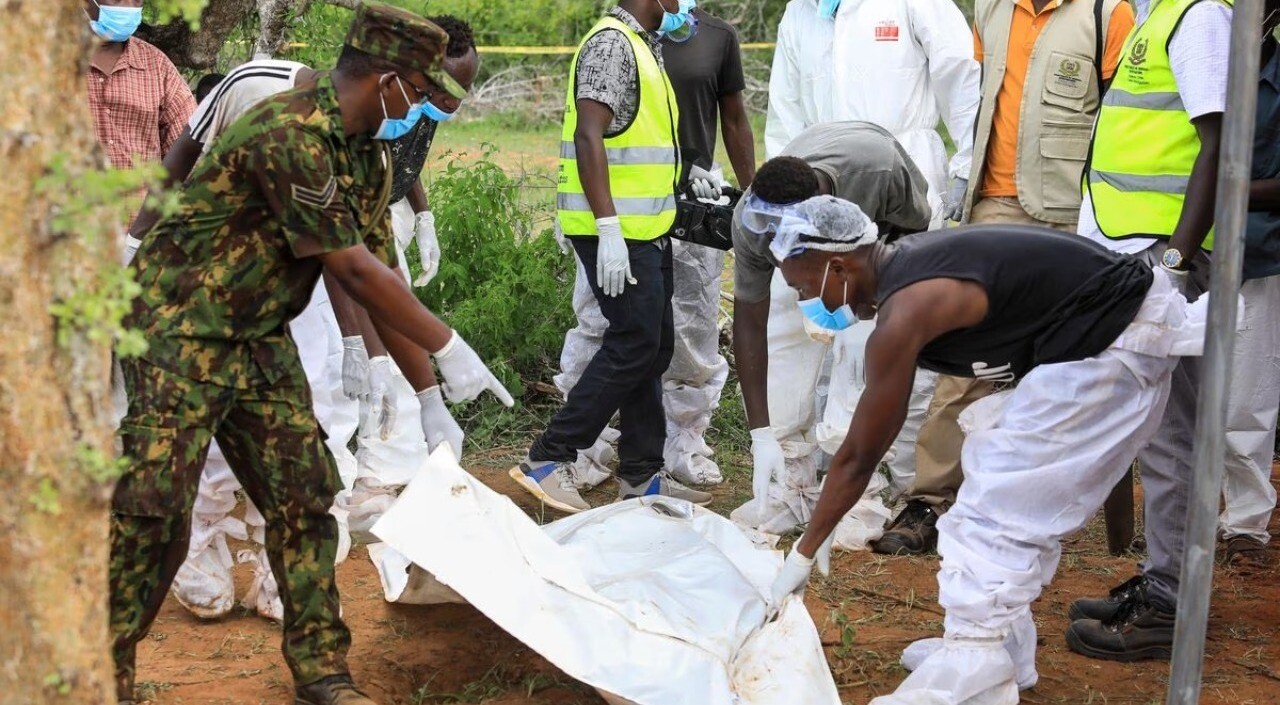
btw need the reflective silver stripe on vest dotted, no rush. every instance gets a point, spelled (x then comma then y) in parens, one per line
(624, 206)
(626, 156)
(1130, 183)
(1146, 101)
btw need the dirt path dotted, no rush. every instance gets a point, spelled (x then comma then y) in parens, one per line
(867, 611)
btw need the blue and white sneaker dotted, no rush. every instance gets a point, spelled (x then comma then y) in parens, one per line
(662, 484)
(550, 482)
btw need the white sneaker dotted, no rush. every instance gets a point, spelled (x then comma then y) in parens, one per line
(662, 484)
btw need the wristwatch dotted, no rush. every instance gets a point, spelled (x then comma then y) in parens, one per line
(1172, 259)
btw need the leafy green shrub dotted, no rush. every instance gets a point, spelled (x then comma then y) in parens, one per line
(504, 287)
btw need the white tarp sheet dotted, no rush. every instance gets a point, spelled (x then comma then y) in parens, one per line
(652, 602)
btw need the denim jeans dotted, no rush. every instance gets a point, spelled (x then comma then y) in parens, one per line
(625, 376)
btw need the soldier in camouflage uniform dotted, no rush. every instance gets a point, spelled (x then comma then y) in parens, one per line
(298, 184)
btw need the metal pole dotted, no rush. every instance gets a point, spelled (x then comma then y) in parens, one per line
(1228, 254)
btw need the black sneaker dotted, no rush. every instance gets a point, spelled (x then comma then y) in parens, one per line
(1107, 607)
(1138, 632)
(914, 532)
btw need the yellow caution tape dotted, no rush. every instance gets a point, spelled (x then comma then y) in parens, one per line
(570, 50)
(547, 50)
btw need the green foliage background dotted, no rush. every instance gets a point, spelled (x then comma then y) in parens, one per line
(503, 285)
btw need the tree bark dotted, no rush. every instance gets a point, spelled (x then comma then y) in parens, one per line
(273, 18)
(199, 49)
(54, 396)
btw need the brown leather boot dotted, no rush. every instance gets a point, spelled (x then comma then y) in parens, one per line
(333, 690)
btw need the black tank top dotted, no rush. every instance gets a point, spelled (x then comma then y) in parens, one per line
(1052, 296)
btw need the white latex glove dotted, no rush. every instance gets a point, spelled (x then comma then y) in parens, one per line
(561, 241)
(708, 186)
(424, 231)
(1181, 278)
(796, 570)
(767, 462)
(438, 425)
(131, 245)
(613, 260)
(380, 417)
(465, 374)
(355, 368)
(953, 200)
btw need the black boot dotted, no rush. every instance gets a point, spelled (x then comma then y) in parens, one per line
(1105, 608)
(1138, 632)
(914, 532)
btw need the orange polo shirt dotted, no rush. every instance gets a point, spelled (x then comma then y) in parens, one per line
(1002, 150)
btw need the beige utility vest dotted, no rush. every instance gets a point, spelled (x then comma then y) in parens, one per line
(1060, 100)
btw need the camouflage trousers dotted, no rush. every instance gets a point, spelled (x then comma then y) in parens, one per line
(274, 445)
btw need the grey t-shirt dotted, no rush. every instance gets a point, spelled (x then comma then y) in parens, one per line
(866, 166)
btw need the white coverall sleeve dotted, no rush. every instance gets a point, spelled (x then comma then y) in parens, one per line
(954, 76)
(785, 119)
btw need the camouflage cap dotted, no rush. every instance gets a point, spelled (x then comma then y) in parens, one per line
(404, 39)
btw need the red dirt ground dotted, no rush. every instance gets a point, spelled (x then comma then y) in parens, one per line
(868, 610)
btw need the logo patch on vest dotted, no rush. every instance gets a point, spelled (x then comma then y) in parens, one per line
(1138, 55)
(1067, 74)
(887, 31)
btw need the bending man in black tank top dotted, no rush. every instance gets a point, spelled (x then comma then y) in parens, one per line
(1091, 339)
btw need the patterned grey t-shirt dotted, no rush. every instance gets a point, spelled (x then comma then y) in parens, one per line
(607, 71)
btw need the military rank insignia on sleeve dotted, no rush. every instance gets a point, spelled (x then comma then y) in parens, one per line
(320, 198)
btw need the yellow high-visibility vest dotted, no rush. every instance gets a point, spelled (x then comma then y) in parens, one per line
(644, 159)
(1144, 144)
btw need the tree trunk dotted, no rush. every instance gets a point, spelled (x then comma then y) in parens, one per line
(54, 395)
(199, 49)
(273, 18)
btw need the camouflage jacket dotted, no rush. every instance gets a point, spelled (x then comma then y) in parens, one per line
(223, 276)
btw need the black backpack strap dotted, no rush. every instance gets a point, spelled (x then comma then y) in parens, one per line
(1099, 42)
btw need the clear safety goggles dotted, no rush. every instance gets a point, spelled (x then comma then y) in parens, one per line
(760, 217)
(791, 235)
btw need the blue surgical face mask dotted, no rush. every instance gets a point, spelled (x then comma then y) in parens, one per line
(827, 8)
(116, 24)
(681, 25)
(434, 113)
(817, 313)
(392, 128)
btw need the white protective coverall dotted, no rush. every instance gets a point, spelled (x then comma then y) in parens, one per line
(371, 477)
(1039, 462)
(813, 391)
(692, 384)
(903, 65)
(1248, 495)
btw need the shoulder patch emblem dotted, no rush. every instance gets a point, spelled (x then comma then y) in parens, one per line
(319, 198)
